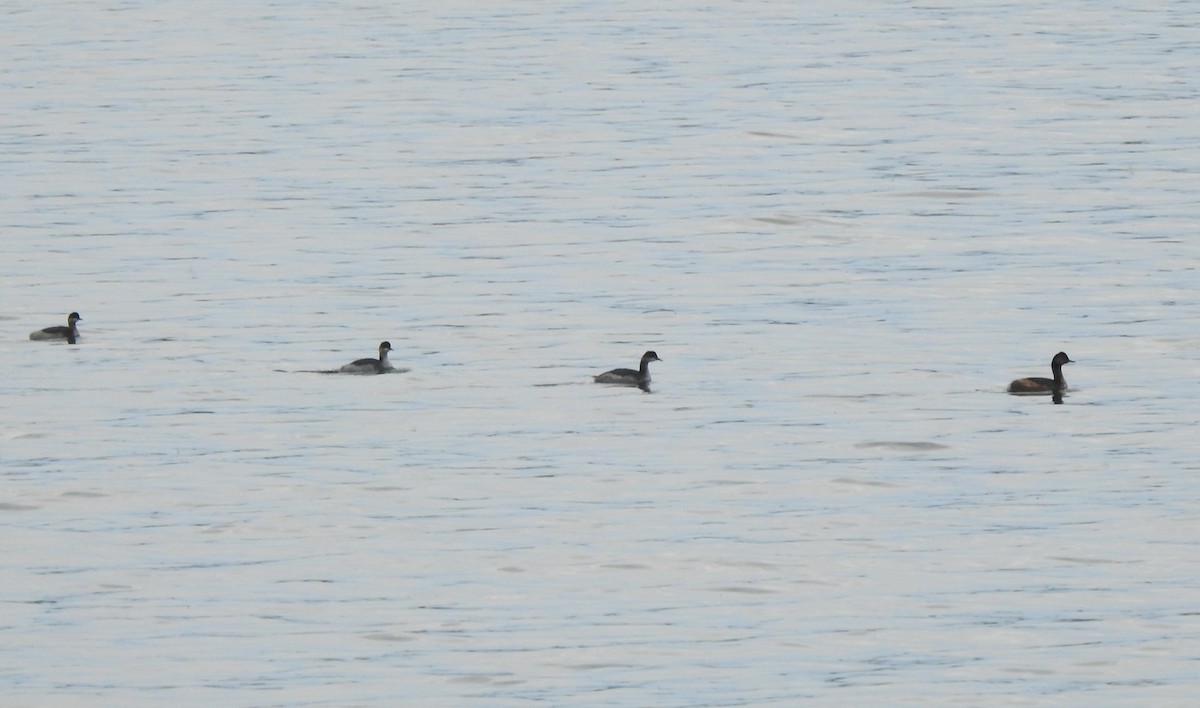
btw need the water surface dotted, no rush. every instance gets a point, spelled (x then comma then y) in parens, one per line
(843, 229)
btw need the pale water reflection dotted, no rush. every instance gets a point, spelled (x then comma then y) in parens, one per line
(845, 228)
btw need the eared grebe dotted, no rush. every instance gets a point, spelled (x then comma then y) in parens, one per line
(69, 333)
(629, 377)
(370, 366)
(1038, 384)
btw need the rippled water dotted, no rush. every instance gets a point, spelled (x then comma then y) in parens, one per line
(843, 228)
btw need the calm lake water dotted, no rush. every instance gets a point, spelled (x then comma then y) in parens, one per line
(843, 227)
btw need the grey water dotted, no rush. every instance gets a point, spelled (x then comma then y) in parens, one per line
(843, 227)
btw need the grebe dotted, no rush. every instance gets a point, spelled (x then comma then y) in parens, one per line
(69, 333)
(629, 377)
(370, 366)
(1038, 384)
